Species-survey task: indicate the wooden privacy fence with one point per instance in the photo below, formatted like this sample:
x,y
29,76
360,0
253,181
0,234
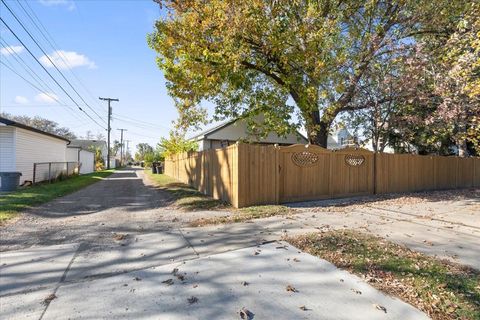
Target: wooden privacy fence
x,y
246,174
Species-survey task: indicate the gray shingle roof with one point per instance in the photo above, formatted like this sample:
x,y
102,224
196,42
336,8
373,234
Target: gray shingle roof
x,y
86,144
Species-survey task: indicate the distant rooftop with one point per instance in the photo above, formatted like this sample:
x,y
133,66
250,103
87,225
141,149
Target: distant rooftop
x,y
86,144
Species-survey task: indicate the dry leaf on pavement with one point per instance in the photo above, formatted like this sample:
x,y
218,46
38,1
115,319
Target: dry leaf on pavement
x,y
291,288
192,300
246,314
381,308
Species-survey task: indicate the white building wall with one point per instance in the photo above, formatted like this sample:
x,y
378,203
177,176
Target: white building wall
x,y
34,147
238,130
87,162
7,148
72,154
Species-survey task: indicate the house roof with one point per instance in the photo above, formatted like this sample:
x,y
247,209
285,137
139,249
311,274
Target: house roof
x,y
206,133
86,144
12,123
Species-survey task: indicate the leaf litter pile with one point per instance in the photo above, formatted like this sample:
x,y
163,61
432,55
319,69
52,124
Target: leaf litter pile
x,y
441,289
396,200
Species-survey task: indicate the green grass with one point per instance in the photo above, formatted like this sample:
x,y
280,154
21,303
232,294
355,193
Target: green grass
x,y
185,196
244,214
189,198
441,289
14,202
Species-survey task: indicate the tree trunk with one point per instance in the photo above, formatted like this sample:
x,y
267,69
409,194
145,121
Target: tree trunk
x,y
462,148
318,131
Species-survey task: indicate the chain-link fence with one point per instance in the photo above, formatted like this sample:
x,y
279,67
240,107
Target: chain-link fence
x,y
53,171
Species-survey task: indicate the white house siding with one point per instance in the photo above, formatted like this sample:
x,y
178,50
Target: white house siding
x,y
87,161
34,147
7,148
72,154
238,131
85,158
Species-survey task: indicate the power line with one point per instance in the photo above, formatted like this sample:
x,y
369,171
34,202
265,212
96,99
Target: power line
x,y
121,145
49,59
140,122
142,135
27,68
34,86
109,129
43,67
48,37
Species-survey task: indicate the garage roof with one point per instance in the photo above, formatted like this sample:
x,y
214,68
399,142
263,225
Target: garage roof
x,y
12,123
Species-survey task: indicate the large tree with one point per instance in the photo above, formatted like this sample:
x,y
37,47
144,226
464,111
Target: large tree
x,y
142,150
42,124
441,112
252,57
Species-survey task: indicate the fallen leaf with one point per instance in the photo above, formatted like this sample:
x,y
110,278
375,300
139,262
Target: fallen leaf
x,y
296,260
119,236
291,288
137,279
180,277
303,308
168,282
192,300
246,314
356,291
245,283
49,298
381,308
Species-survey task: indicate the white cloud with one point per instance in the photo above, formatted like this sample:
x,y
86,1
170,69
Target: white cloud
x,y
46,97
67,60
6,51
67,3
21,100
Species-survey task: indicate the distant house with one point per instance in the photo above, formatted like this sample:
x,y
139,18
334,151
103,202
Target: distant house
x,y
92,145
85,159
236,130
341,138
21,146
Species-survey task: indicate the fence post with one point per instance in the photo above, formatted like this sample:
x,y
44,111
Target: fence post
x,y
375,172
49,172
34,172
331,161
277,174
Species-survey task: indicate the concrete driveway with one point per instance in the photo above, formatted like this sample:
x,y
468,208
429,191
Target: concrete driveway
x,y
445,224
273,280
112,250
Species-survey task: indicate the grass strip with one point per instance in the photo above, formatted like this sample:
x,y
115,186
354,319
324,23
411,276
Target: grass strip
x,y
441,289
12,203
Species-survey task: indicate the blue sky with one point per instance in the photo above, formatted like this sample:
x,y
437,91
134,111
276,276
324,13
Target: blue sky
x,y
104,43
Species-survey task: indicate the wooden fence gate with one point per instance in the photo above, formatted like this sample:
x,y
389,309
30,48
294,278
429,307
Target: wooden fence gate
x,y
248,174
318,173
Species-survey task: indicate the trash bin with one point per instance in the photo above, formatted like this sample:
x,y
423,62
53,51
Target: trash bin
x,y
159,168
154,167
10,181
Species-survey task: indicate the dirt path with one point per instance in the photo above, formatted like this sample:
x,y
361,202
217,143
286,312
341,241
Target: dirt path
x,y
121,203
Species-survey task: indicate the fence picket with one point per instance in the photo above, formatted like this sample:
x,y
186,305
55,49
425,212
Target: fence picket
x,y
245,174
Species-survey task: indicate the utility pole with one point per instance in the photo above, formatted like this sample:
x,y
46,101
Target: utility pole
x,y
109,129
121,145
126,152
